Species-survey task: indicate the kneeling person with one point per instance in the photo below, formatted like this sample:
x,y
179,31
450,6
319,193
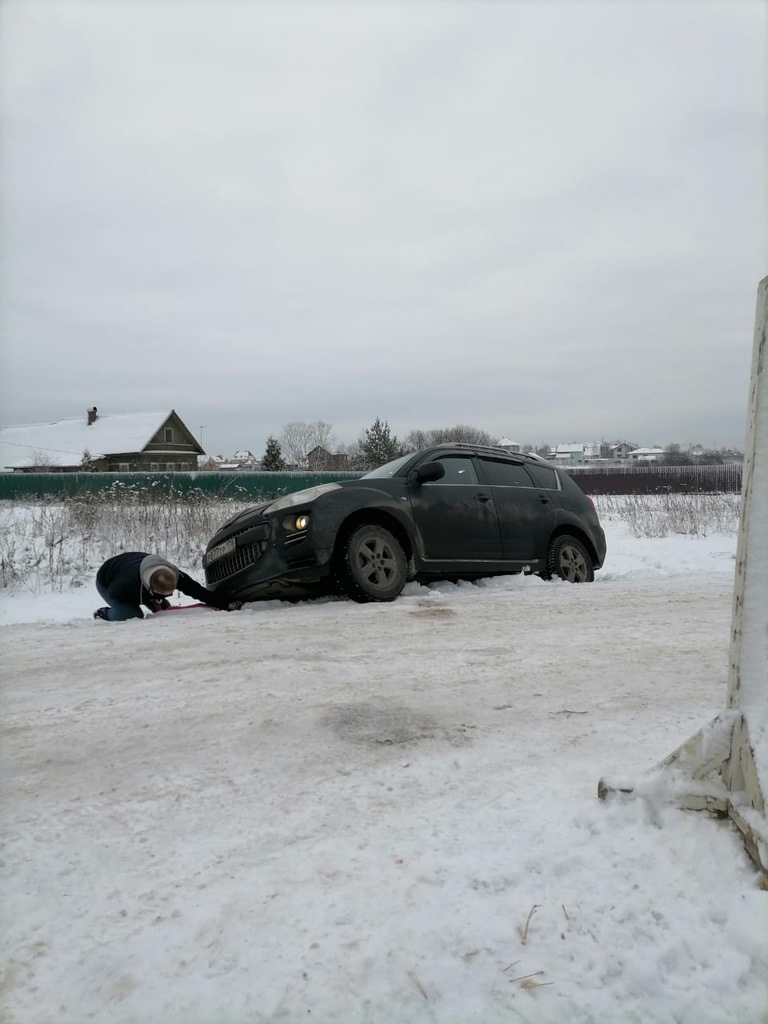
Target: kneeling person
x,y
135,578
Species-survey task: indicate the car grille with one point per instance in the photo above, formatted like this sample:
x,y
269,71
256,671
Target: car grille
x,y
240,558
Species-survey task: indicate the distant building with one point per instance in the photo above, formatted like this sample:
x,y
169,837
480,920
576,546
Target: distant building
x,y
320,459
575,452
245,460
647,454
621,451
125,442
508,445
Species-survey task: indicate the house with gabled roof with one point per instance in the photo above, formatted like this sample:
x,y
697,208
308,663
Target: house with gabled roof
x,y
509,445
124,442
320,459
575,452
245,459
622,450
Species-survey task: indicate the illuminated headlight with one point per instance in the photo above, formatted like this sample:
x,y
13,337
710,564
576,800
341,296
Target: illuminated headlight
x,y
293,523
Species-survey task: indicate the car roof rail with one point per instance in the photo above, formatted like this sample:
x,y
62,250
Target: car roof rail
x,y
495,448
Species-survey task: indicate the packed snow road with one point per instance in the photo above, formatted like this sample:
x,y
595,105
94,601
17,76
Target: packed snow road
x,y
330,811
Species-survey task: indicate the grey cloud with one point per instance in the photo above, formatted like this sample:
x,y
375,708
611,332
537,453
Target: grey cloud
x,y
538,218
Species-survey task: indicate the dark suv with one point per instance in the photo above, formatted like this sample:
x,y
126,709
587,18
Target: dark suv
x,y
455,511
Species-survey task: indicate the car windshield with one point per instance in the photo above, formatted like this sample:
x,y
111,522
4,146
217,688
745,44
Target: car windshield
x,y
389,468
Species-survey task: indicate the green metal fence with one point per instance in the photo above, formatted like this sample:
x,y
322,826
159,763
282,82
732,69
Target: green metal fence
x,y
255,486
231,485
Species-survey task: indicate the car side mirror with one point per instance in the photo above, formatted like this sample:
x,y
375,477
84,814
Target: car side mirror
x,y
427,473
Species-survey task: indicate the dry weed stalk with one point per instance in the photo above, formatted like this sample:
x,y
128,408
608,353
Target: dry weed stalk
x,y
528,982
418,984
523,932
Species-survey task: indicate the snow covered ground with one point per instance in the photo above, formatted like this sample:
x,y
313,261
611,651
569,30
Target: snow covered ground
x,y
384,814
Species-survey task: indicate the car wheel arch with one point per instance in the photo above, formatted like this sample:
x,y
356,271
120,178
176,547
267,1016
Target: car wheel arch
x,y
374,517
571,530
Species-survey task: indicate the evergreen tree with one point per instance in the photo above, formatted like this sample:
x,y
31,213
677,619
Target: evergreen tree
x,y
273,460
378,445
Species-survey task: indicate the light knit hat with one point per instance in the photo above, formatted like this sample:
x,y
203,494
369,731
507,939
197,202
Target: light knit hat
x,y
151,564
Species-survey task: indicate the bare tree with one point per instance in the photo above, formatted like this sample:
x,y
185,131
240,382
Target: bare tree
x,y
298,439
418,439
354,453
460,433
323,435
41,463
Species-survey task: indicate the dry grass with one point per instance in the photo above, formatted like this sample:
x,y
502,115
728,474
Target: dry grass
x,y
659,515
60,543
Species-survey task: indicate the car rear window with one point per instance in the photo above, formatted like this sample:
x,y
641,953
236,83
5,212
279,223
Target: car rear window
x,y
543,476
505,474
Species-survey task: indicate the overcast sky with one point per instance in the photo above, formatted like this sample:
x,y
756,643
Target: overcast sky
x,y
547,220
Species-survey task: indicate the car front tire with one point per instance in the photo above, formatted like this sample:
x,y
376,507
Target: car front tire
x,y
371,565
569,559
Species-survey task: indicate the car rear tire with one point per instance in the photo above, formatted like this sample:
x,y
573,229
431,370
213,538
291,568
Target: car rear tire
x,y
569,559
371,565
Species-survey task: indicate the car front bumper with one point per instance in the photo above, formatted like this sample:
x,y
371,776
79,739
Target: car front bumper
x,y
258,559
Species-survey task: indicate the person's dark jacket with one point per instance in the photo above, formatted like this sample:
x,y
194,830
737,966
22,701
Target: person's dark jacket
x,y
120,576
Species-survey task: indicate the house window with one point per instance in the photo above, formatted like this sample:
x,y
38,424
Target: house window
x,y
169,434
154,467
170,466
124,467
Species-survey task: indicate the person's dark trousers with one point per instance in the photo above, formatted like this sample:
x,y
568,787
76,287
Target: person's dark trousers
x,y
118,612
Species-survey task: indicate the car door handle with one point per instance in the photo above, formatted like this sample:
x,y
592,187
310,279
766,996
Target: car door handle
x,y
544,499
483,497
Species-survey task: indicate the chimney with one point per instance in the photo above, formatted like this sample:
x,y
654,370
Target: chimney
x,y
92,417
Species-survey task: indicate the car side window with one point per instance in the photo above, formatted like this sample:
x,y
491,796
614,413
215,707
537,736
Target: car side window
x,y
505,474
458,470
543,476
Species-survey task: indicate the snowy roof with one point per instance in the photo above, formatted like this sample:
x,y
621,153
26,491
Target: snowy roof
x,y
570,448
647,451
63,442
506,442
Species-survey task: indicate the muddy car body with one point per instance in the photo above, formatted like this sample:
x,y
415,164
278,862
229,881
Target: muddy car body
x,y
448,512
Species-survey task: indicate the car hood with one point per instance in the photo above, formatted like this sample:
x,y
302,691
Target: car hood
x,y
245,514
